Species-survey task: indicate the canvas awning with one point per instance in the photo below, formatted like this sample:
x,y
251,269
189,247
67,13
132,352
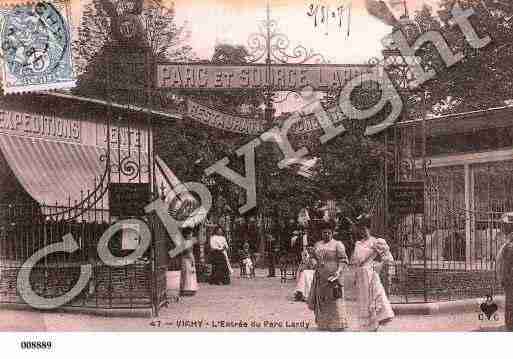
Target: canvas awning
x,y
60,175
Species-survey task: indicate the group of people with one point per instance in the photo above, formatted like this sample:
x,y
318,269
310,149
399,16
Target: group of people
x,y
321,278
321,274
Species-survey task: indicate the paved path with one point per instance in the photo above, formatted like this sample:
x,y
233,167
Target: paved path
x,y
265,301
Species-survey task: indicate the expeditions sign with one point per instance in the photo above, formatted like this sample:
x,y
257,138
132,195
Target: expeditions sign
x,y
280,78
39,126
85,131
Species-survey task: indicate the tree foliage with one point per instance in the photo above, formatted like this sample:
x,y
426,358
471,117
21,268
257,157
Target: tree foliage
x,y
484,78
230,54
96,49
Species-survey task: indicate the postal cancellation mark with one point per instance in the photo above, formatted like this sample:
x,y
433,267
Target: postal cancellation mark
x,y
36,49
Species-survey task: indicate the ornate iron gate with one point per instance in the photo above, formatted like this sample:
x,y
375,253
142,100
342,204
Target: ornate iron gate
x,y
126,159
448,251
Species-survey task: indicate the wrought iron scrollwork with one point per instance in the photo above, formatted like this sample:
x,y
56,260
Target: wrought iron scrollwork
x,y
127,166
269,41
104,157
375,61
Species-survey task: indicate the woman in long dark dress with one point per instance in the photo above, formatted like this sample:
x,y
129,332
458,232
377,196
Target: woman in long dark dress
x,y
221,268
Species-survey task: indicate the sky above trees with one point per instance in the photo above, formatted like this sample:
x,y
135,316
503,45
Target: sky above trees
x,y
232,21
229,21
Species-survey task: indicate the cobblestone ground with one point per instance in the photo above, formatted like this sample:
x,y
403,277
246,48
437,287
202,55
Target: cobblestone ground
x,y
262,300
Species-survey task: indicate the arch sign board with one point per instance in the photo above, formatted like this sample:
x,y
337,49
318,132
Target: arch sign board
x,y
324,77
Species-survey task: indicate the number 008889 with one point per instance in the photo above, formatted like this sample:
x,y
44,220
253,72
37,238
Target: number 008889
x,y
36,345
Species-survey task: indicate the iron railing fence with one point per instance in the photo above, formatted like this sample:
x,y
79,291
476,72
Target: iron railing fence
x,y
26,228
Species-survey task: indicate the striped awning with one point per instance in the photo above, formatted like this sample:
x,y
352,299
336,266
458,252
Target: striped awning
x,y
61,175
68,181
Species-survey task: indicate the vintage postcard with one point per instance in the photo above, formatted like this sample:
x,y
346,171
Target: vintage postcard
x,y
256,166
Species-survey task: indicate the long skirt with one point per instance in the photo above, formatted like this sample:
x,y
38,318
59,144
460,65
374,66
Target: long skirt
x,y
330,313
188,282
220,272
304,282
373,305
508,310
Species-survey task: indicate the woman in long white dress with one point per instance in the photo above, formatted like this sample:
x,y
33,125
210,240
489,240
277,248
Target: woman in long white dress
x,y
188,282
306,272
369,256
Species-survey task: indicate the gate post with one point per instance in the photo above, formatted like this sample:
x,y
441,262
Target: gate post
x,y
155,255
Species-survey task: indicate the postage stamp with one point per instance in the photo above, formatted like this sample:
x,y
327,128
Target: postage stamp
x,y
36,47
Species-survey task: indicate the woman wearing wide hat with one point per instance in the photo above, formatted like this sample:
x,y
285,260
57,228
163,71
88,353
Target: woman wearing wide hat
x,y
326,296
370,254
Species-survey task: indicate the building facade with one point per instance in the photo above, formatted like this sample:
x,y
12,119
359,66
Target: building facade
x,y
449,251
74,165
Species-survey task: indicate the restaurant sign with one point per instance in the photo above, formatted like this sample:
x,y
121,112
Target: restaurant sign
x,y
278,77
214,118
223,121
406,197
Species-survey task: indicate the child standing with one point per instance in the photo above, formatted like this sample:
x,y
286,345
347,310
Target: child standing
x,y
246,262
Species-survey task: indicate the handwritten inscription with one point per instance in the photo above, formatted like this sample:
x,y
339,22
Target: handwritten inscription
x,y
34,125
325,15
281,77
